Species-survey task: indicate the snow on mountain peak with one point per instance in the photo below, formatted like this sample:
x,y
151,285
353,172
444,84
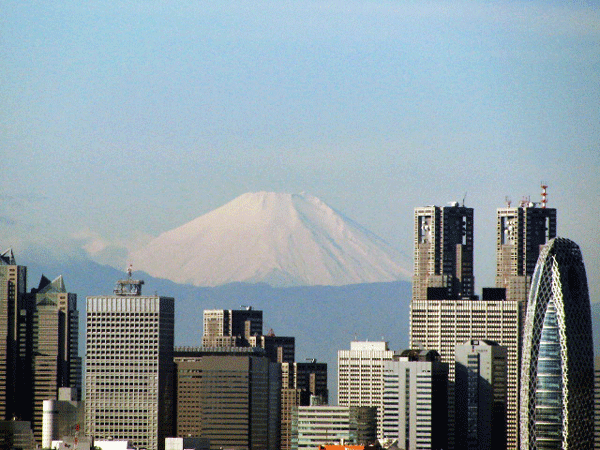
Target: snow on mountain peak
x,y
278,238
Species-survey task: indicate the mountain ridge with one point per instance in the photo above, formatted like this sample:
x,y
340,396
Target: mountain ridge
x,y
278,238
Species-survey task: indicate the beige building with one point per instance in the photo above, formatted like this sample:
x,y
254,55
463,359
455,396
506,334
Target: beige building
x,y
129,366
360,376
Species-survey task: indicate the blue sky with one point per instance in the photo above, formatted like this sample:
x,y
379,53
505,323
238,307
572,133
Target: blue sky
x,y
121,120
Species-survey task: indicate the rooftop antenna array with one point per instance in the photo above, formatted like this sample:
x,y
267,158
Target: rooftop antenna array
x,y
508,201
544,195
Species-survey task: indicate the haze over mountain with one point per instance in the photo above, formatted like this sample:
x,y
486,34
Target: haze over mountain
x,y
275,238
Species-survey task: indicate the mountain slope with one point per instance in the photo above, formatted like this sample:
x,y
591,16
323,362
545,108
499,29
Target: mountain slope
x,y
279,239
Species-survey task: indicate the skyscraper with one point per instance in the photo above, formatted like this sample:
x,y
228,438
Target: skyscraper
x,y
55,361
129,366
557,390
13,281
443,256
481,395
445,311
521,233
597,403
360,376
229,395
415,398
231,327
299,383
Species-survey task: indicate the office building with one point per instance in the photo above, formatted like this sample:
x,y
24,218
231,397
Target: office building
x,y
62,417
228,395
129,366
443,256
16,435
279,349
521,233
313,426
55,361
360,376
557,390
597,403
13,281
415,397
231,328
299,383
480,392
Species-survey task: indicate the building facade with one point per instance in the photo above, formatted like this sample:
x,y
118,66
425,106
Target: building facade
x,y
481,394
299,383
415,397
55,361
443,254
360,376
13,286
129,366
231,327
557,392
313,426
228,395
597,403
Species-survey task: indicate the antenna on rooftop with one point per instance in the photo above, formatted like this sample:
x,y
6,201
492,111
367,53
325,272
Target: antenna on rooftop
x,y
544,195
508,201
464,197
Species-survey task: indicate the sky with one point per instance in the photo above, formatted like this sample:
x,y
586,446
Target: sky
x,y
122,120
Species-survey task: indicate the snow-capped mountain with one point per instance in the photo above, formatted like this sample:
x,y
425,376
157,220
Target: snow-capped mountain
x,y
280,239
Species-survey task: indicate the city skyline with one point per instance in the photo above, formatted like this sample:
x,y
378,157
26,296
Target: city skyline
x,y
126,120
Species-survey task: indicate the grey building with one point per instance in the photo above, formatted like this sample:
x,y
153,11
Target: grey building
x,y
13,285
129,366
597,403
557,388
415,397
55,361
443,253
481,395
231,327
229,396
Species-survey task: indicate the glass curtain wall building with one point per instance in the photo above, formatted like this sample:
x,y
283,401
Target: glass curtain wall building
x,y
557,366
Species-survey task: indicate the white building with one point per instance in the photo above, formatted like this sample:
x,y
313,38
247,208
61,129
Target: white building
x,y
360,376
129,367
415,400
313,426
61,417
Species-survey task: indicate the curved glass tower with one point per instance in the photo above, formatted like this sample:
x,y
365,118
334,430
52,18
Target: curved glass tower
x,y
557,372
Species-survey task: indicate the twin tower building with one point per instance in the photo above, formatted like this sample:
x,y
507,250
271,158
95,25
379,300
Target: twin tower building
x,y
539,310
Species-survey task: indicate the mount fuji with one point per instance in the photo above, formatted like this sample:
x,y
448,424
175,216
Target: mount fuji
x,y
274,238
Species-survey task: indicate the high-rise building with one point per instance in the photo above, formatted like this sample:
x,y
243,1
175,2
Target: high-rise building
x,y
557,388
55,360
228,395
521,233
360,376
441,325
280,349
316,425
299,383
231,328
415,397
443,257
129,366
13,285
480,392
597,403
